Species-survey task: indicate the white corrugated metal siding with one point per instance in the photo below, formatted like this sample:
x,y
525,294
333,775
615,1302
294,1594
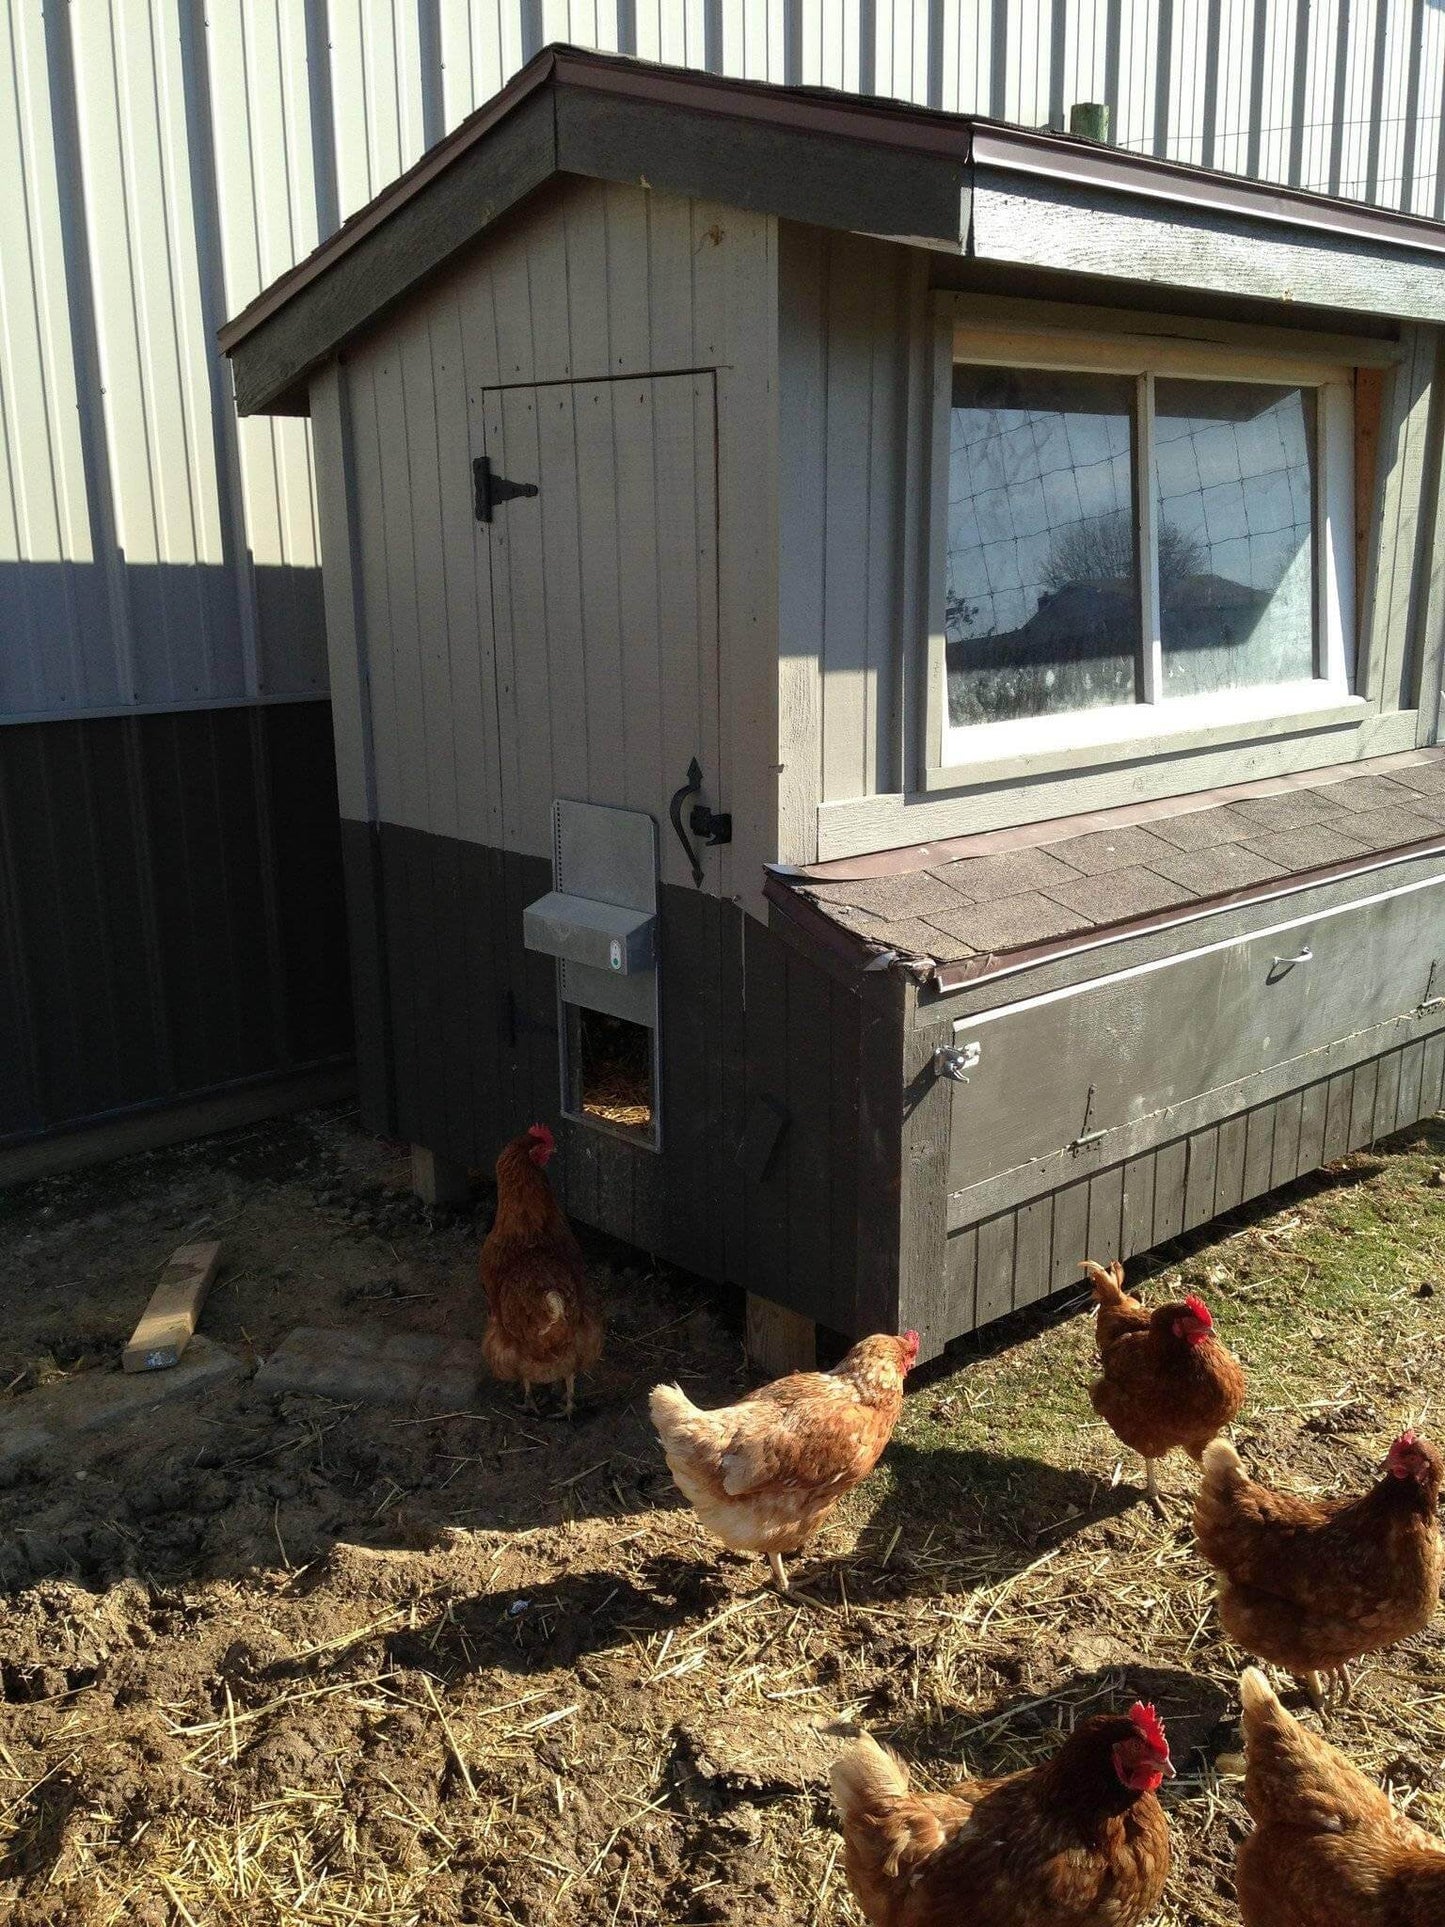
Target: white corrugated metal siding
x,y
163,160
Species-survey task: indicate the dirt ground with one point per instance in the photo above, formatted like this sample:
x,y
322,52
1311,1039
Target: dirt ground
x,y
275,1659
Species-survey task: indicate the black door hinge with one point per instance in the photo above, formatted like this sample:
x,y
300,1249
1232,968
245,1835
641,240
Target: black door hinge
x,y
489,489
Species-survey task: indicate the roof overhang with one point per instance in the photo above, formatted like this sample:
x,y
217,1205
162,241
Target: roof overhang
x,y
834,160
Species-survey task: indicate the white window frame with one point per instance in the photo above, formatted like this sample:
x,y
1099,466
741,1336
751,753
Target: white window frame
x,y
966,754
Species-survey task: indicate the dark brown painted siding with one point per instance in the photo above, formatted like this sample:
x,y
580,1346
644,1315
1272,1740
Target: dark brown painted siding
x,y
171,909
458,1051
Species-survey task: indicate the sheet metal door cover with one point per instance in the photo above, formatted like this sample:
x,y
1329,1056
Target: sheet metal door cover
x,y
609,856
1095,1056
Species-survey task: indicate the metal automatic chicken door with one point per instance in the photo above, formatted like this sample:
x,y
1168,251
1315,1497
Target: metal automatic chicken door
x,y
599,920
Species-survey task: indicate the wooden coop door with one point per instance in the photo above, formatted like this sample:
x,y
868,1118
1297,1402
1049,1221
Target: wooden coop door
x,y
604,601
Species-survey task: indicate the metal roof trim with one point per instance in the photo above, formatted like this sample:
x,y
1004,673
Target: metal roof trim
x,y
957,138
1114,169
376,212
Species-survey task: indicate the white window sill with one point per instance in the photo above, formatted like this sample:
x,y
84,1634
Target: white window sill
x,y
1089,739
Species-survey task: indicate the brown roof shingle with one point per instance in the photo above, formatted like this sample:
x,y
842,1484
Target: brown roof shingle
x,y
1087,876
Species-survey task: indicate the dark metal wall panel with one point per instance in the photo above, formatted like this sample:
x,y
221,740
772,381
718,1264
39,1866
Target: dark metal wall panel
x,y
173,912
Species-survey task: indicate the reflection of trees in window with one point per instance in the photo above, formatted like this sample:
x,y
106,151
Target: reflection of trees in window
x,y
1101,549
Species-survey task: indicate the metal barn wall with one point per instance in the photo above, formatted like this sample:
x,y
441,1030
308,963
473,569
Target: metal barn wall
x,y
165,159
171,911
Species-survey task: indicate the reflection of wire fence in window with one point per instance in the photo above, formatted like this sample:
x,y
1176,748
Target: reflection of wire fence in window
x,y
1013,544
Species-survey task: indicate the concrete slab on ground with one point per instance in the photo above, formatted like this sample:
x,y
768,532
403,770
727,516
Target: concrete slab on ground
x,y
425,1370
98,1401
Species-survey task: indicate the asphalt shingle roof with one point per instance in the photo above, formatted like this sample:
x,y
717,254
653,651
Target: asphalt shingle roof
x,y
1053,881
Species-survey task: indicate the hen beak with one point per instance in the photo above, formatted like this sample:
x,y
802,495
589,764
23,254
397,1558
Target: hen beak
x,y
1166,1767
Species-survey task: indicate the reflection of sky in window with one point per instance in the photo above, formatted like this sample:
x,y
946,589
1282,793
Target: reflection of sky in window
x,y
1019,479
1016,479
1242,489
1238,493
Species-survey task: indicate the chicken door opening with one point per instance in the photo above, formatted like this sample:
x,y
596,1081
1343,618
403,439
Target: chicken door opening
x,y
612,1072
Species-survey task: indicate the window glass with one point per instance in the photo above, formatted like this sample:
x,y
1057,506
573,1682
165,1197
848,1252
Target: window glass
x,y
1043,604
1234,506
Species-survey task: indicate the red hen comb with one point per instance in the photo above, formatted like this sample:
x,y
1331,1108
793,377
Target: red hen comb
x,y
1197,1308
1150,1728
543,1135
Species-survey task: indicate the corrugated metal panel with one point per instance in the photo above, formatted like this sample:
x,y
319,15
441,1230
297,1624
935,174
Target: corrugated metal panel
x,y
171,158
171,915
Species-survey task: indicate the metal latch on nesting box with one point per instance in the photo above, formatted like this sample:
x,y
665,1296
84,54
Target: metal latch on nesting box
x,y
582,930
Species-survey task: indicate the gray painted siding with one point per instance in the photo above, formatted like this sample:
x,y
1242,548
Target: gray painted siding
x,y
850,309
593,289
171,160
852,742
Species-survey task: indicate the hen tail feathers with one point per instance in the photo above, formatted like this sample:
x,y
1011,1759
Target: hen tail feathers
x,y
671,1408
1108,1282
1258,1698
1223,1467
868,1786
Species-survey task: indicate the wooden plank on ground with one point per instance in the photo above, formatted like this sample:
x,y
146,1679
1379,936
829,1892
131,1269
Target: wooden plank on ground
x,y
169,1320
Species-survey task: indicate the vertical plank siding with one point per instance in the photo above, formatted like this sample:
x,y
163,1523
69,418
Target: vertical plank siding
x,y
616,346
459,1050
171,908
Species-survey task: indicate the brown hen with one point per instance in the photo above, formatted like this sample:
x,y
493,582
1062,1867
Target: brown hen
x,y
1080,1841
763,1475
1310,1585
1328,1849
1167,1381
543,1324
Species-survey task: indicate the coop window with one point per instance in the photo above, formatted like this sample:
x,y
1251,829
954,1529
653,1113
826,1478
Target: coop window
x,y
612,1072
1139,539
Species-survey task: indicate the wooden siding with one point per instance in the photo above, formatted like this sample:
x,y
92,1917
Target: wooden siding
x,y
602,291
1073,228
869,800
849,310
171,915
1010,1260
458,1051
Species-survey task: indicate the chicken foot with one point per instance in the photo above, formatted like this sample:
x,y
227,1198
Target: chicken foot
x,y
1329,1689
780,1578
529,1404
571,1392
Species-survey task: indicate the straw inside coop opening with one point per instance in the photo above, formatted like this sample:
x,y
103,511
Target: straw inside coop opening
x,y
614,1070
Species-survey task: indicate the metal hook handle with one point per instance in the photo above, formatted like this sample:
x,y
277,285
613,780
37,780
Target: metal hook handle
x,y
674,810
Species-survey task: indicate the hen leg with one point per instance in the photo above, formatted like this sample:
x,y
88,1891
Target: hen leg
x,y
780,1578
571,1390
1151,1487
1314,1685
529,1404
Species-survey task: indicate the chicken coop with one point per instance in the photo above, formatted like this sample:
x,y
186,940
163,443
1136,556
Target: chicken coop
x,y
886,672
